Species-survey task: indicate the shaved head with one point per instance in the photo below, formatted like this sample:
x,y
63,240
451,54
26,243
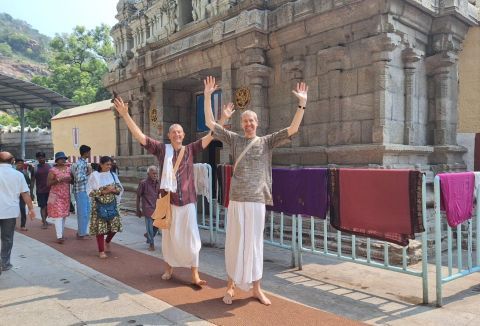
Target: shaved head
x,y
174,126
6,157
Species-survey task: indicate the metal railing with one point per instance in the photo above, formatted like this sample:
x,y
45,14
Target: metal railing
x,y
353,257
461,268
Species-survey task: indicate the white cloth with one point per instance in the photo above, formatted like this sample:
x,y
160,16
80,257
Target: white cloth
x,y
97,180
168,181
201,179
59,226
181,243
12,184
244,243
477,182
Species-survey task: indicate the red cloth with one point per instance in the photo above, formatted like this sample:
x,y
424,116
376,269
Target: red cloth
x,y
101,240
381,204
456,197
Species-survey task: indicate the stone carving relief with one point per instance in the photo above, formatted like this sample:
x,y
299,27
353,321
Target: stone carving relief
x,y
169,8
199,11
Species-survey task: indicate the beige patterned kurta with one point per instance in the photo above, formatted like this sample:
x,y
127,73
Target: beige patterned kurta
x,y
97,224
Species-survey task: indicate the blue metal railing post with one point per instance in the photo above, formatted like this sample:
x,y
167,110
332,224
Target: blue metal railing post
x,y
424,241
438,241
300,241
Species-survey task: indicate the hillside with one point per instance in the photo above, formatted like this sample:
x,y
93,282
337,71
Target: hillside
x,y
23,50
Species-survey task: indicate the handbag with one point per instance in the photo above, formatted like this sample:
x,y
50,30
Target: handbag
x,y
107,211
162,216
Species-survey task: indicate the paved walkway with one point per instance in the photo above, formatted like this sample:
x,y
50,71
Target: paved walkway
x,y
37,288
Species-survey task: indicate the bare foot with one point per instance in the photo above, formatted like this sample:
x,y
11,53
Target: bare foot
x,y
168,274
107,247
261,297
198,281
102,255
228,297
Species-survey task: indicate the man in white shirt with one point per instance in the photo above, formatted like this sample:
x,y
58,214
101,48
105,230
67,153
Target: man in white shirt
x,y
12,186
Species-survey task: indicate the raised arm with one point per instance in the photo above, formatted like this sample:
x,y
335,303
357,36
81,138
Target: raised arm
x,y
122,109
210,87
226,114
301,94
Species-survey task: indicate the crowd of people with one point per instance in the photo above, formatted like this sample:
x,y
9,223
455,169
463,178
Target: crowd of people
x,y
97,191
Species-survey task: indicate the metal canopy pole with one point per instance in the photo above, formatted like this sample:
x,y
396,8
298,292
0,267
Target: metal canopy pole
x,y
22,132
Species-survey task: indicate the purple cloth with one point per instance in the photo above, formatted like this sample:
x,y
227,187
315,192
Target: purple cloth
x,y
300,191
41,174
148,191
457,196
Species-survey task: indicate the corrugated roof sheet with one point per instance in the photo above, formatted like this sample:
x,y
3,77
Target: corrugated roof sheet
x,y
19,93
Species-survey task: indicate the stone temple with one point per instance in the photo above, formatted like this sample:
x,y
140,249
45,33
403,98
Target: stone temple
x,y
383,75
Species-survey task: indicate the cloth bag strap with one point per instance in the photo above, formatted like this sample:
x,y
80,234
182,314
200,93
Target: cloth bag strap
x,y
179,159
244,152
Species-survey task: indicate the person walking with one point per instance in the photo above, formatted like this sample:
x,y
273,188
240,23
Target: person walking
x,y
58,205
250,191
39,179
12,186
20,166
80,173
147,193
105,190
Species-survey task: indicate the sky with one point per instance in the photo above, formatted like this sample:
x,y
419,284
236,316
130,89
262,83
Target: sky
x,y
52,17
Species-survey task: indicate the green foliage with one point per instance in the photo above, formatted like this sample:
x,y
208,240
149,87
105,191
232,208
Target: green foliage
x,y
5,50
78,63
23,40
8,120
38,118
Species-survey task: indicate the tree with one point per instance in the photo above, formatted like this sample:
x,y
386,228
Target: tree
x,y
8,120
78,63
5,50
38,118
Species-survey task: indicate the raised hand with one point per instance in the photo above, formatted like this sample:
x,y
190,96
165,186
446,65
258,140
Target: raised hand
x,y
301,93
120,106
228,111
210,86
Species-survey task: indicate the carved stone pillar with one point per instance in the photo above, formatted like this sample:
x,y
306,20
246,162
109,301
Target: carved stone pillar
x,y
256,76
410,57
157,105
442,68
147,103
333,59
382,48
293,73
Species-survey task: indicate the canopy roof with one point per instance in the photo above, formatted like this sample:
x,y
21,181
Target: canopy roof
x,y
16,92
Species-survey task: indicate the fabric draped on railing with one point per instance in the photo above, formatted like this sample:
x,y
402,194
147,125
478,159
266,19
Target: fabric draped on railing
x,y
381,204
300,191
457,196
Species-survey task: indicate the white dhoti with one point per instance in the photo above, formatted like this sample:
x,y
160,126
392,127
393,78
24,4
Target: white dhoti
x,y
181,243
244,243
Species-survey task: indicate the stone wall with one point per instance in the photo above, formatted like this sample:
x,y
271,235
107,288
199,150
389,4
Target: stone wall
x,y
35,141
383,74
